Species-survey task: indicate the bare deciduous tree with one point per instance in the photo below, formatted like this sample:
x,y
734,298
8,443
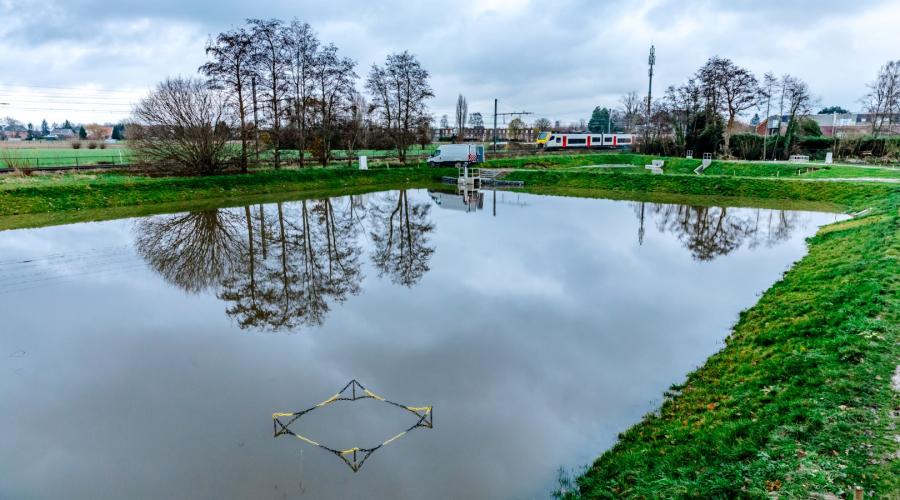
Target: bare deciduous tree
x,y
302,46
631,106
182,125
333,80
399,91
96,132
462,112
271,58
738,88
356,125
231,69
514,129
542,125
799,101
883,99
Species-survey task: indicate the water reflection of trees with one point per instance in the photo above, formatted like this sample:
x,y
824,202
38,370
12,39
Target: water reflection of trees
x,y
400,235
283,266
709,232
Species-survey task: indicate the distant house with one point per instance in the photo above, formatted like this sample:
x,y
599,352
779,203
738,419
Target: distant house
x,y
64,134
15,132
832,125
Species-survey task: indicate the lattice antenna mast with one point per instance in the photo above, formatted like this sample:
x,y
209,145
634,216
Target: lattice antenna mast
x,y
652,62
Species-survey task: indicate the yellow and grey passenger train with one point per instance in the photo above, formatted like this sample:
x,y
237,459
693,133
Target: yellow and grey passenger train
x,y
565,140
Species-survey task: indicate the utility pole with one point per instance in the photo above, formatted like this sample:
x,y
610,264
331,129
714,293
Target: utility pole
x,y
652,62
496,114
256,121
495,125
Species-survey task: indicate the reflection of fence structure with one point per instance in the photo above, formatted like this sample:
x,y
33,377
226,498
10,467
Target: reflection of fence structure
x,y
353,391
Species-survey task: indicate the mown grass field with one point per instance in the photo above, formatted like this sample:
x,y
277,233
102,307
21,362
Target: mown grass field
x,y
53,157
57,155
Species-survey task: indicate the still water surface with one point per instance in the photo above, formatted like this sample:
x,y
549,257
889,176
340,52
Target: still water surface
x,y
143,358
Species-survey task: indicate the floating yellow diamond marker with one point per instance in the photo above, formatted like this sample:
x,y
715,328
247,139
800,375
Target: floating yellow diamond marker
x,y
353,391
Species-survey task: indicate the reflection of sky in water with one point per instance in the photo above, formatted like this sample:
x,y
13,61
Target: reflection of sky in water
x,y
538,335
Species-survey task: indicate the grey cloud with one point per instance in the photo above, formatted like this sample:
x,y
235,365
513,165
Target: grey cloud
x,y
558,59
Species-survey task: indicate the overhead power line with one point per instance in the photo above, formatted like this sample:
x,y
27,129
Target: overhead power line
x,y
77,89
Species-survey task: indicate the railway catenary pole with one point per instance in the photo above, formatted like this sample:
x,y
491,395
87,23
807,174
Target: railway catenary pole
x,y
496,114
495,126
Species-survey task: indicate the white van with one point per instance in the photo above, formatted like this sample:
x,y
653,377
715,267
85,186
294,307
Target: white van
x,y
458,155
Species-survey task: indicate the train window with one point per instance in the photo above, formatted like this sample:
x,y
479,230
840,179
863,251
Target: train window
x,y
607,139
624,141
551,138
596,139
558,139
577,141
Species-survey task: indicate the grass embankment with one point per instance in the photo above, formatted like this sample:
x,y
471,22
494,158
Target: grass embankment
x,y
799,402
35,201
634,163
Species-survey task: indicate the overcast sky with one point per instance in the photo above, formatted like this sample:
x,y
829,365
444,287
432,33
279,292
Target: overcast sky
x,y
86,60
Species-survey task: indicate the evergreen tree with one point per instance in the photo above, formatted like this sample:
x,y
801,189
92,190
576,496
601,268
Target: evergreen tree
x,y
755,120
118,132
45,129
833,109
600,121
82,133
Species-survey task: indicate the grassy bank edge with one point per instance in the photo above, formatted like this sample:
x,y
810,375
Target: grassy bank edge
x,y
799,402
114,196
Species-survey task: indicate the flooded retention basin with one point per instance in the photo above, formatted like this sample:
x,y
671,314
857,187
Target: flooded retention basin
x,y
144,358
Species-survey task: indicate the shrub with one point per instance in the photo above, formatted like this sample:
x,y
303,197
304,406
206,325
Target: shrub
x,y
183,126
76,145
92,145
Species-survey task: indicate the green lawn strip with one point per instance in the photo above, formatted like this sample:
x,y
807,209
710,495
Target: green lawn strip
x,y
123,191
854,195
685,166
799,401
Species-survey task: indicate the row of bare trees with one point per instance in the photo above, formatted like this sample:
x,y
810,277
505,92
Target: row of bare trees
x,y
703,113
883,99
274,86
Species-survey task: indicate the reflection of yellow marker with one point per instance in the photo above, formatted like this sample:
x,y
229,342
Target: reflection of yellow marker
x,y
351,450
393,438
329,400
276,415
310,441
